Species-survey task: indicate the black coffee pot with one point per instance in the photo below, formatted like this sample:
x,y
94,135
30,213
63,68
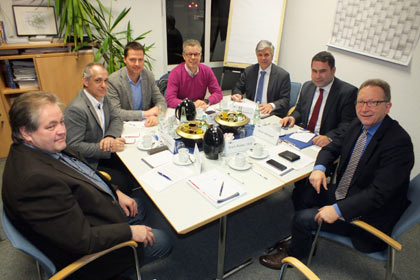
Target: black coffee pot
x,y
213,142
189,107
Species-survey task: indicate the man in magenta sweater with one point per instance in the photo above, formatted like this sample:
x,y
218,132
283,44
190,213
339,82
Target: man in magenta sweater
x,y
192,79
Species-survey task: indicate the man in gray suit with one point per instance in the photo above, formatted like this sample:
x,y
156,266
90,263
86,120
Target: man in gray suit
x,y
94,128
133,91
265,82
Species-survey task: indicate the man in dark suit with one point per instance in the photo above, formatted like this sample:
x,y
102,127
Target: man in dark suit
x,y
61,204
373,178
94,128
336,103
265,82
133,91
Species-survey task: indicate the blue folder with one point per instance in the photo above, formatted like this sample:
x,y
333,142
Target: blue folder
x,y
298,144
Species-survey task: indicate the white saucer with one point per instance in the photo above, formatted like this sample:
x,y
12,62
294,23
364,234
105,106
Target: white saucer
x,y
176,160
232,165
142,148
263,155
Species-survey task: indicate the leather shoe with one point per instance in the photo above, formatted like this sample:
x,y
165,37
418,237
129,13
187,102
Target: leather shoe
x,y
280,245
273,261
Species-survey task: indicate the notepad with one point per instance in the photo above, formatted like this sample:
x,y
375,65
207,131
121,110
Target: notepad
x,y
209,186
158,159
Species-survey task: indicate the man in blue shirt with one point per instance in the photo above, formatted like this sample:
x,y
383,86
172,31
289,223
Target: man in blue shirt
x,y
133,91
373,151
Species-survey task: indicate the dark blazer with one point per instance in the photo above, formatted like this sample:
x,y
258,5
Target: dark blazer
x,y
339,110
119,93
84,131
62,212
378,190
278,90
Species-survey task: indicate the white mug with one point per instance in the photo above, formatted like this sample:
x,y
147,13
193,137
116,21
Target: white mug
x,y
240,159
258,149
147,141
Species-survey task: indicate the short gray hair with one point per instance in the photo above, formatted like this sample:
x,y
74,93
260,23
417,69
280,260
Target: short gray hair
x,y
87,71
25,112
264,44
191,43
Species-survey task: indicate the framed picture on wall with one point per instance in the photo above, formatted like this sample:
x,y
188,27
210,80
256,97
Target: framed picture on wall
x,y
35,20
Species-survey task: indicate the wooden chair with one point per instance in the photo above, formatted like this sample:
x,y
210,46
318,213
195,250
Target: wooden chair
x,y
291,261
410,218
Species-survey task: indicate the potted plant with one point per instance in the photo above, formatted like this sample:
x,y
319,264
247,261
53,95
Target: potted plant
x,y
80,17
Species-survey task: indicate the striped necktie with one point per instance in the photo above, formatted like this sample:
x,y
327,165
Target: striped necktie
x,y
345,181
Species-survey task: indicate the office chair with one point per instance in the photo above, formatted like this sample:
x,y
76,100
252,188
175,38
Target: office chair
x,y
410,217
291,261
162,83
294,93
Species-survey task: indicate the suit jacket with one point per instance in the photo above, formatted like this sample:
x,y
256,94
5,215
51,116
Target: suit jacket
x,y
378,190
339,109
278,90
84,131
119,93
58,209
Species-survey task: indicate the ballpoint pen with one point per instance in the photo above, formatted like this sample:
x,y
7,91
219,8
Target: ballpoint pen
x,y
259,173
165,176
234,177
227,198
221,188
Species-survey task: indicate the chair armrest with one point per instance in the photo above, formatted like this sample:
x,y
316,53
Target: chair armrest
x,y
76,265
291,110
301,267
384,237
106,175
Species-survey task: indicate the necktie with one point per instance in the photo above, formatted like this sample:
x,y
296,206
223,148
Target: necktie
x,y
344,184
315,111
260,87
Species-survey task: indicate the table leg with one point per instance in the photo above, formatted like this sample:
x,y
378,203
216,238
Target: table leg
x,y
221,248
221,253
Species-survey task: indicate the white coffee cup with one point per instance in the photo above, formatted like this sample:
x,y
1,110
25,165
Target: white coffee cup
x,y
147,141
258,149
183,155
240,160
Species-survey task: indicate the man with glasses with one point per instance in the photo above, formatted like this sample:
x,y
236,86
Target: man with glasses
x,y
264,82
192,80
372,179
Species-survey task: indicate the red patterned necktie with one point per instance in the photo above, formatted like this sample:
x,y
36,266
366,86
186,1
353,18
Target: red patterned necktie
x,y
344,184
315,111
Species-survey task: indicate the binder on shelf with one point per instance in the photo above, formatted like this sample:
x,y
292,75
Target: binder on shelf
x,y
7,72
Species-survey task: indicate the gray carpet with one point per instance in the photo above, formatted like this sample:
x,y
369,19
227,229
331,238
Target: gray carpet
x,y
250,230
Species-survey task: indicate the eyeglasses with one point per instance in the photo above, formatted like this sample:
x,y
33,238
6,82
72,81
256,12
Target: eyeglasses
x,y
371,103
193,54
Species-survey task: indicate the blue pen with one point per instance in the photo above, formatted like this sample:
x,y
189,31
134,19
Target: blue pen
x,y
165,176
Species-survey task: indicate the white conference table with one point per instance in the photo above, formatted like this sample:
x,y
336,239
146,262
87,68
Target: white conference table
x,y
186,210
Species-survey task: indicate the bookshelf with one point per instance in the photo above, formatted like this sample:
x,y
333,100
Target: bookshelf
x,y
58,70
